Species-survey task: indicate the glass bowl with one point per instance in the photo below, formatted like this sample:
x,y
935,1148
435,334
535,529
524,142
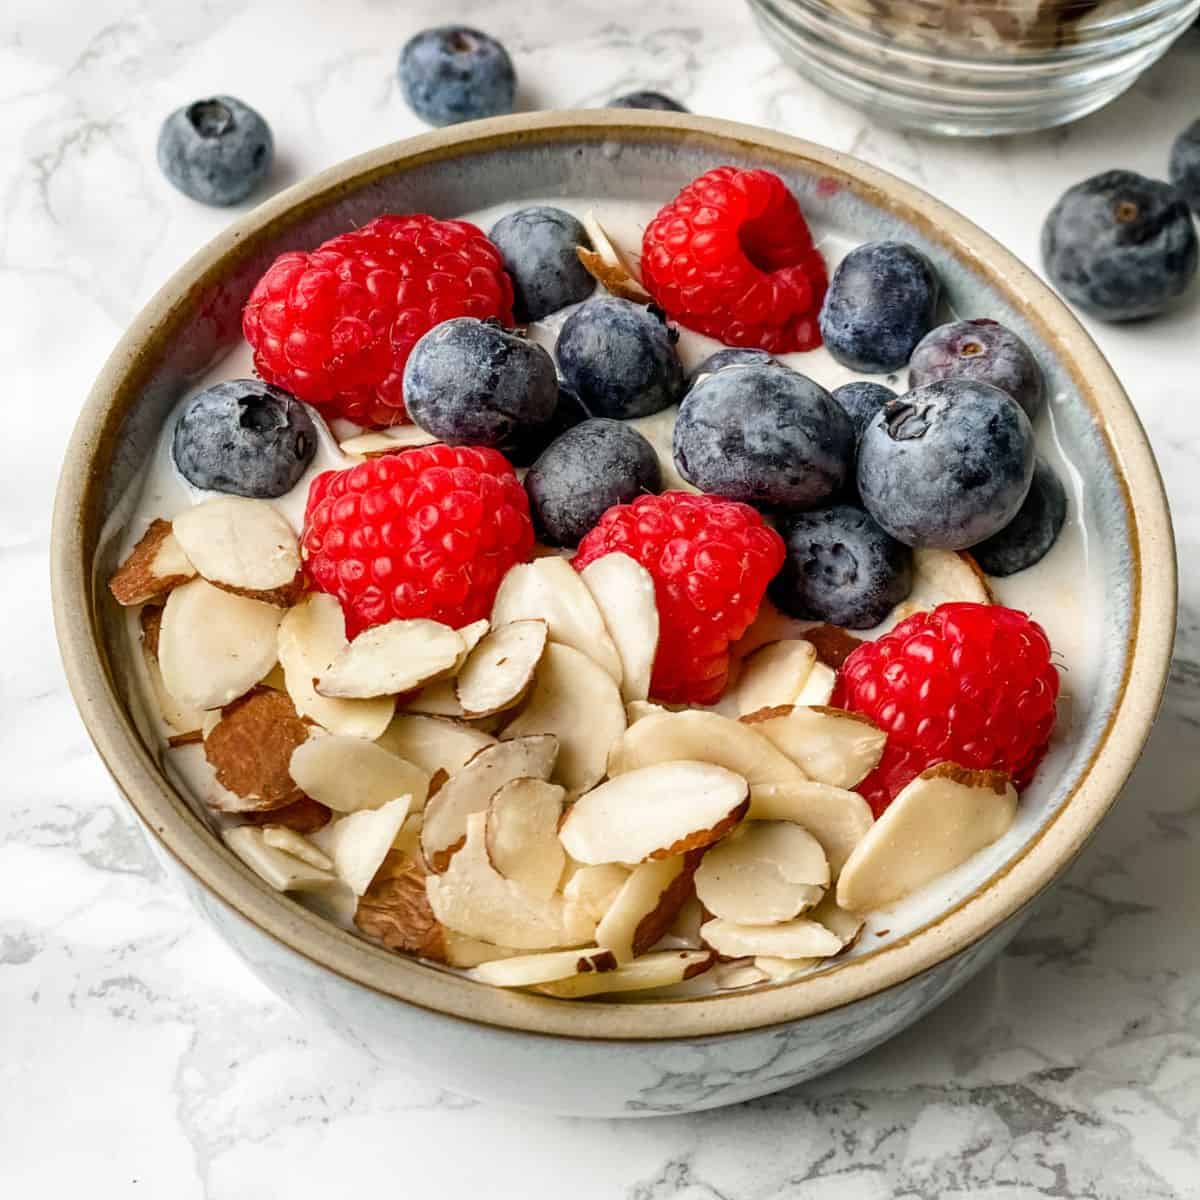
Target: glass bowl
x,y
972,68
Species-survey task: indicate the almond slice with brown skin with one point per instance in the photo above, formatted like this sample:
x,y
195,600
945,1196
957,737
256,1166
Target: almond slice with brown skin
x,y
659,969
605,263
800,938
303,815
394,910
388,659
774,675
358,842
434,743
472,788
947,814
349,774
830,745
283,871
762,874
594,888
522,834
250,749
499,671
153,567
646,905
297,845
214,646
839,819
528,969
654,812
624,593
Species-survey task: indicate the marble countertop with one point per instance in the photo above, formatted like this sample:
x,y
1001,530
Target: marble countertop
x,y
137,1055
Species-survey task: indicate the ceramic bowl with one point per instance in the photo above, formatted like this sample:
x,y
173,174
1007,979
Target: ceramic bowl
x,y
602,1058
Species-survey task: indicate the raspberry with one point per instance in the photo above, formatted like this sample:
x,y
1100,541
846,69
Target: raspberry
x,y
711,561
334,326
731,256
966,683
425,533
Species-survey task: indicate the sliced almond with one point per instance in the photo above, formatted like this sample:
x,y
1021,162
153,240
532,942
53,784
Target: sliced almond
x,y
594,888
839,819
434,743
781,970
529,969
394,910
473,898
349,774
472,788
549,589
705,737
608,266
283,871
359,841
733,976
939,577
467,952
396,440
818,687
947,814
183,718
660,969
577,701
830,745
654,812
840,921
438,699
800,938
302,815
684,932
522,834
624,593
646,905
499,671
297,845
774,675
244,545
833,644
388,659
250,748
635,710
762,874
214,646
152,568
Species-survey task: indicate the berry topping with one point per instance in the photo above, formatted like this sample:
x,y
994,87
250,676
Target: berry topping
x,y
711,561
530,442
862,401
971,684
764,435
946,465
1185,165
620,358
982,350
732,358
426,533
216,151
731,256
841,568
1121,246
538,247
335,326
881,302
472,383
1027,538
655,100
452,73
245,437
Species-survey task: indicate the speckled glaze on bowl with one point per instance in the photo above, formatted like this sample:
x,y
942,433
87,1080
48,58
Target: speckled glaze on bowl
x,y
603,1058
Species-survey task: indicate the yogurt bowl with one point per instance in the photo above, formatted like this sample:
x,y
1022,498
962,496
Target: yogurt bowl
x,y
1107,594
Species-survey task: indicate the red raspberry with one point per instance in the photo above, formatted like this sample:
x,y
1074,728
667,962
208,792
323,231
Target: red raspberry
x,y
334,326
966,683
731,256
425,533
711,561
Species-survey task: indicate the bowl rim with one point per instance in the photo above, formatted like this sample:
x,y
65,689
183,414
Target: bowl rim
x,y
182,834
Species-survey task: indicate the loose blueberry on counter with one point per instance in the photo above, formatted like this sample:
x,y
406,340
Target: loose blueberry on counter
x,y
473,383
538,247
216,151
620,358
582,474
841,568
882,300
1027,538
984,350
530,442
1185,165
862,401
654,100
733,357
244,437
947,465
452,73
1120,246
767,436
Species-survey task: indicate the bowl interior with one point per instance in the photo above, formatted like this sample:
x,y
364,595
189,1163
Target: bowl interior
x,y
1106,581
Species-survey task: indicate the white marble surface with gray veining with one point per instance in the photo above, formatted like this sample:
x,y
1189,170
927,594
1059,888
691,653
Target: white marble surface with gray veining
x,y
138,1057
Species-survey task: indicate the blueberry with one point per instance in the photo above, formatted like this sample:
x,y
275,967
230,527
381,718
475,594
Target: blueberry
x,y
538,248
583,473
620,358
1185,165
452,73
765,436
947,465
1027,538
862,401
734,357
881,302
244,437
568,413
471,382
1120,246
655,100
841,568
216,151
